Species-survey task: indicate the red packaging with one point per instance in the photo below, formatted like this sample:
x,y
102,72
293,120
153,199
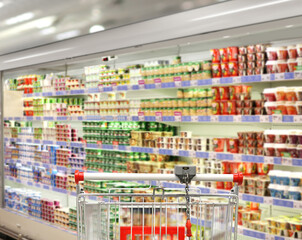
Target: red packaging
x,y
291,108
249,103
224,92
259,70
260,63
233,54
225,70
251,143
292,64
242,149
251,57
216,110
242,58
259,103
241,142
242,65
271,66
251,49
260,151
248,111
239,111
235,92
282,66
239,103
232,95
232,107
260,143
246,91
259,111
250,71
242,50
282,53
250,167
233,69
251,135
226,168
220,185
263,169
224,55
241,135
260,56
215,93
271,54
228,185
232,145
216,70
234,167
292,52
251,64
242,72
260,48
218,144
241,168
281,108
215,55
224,107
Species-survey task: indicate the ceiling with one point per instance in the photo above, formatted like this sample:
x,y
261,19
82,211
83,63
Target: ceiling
x,y
28,23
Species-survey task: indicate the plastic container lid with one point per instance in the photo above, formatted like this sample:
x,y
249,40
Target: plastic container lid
x,y
293,132
272,104
290,89
292,146
299,103
280,103
289,103
280,145
272,186
281,62
281,88
275,62
292,60
296,175
291,47
271,49
299,147
281,48
269,90
269,145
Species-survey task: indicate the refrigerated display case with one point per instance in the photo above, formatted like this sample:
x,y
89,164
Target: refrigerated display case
x,y
160,103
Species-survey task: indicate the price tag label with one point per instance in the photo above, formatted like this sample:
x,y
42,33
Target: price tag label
x,y
156,150
237,118
177,81
269,160
236,79
214,118
287,161
277,118
298,204
240,230
194,118
141,84
100,144
212,190
192,154
269,237
237,157
158,116
298,119
177,116
175,152
157,82
298,75
212,155
279,76
194,83
264,118
268,200
115,145
114,88
265,77
84,142
215,81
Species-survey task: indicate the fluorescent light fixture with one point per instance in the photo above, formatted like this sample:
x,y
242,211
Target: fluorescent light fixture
x,y
1,4
289,26
226,37
48,31
96,28
20,18
37,55
66,35
45,22
240,10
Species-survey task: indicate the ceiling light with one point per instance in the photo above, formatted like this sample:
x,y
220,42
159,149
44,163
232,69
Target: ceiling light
x,y
240,10
96,28
289,26
69,34
1,4
48,31
20,18
226,37
45,22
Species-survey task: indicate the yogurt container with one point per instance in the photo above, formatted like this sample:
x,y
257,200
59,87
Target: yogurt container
x,y
292,52
273,176
299,107
282,192
282,53
293,136
269,149
271,106
292,150
280,93
282,66
281,108
291,94
299,133
299,151
299,50
273,190
280,149
271,66
291,108
269,94
295,179
292,64
294,193
272,53
281,136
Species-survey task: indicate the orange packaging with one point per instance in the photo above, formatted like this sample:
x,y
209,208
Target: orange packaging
x,y
233,54
232,107
224,107
241,168
235,92
291,108
234,167
226,167
216,70
224,92
228,185
225,70
218,144
281,108
233,69
250,168
220,185
263,169
215,55
216,108
223,55
232,145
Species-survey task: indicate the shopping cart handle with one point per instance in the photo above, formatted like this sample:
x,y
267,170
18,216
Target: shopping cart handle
x,y
81,176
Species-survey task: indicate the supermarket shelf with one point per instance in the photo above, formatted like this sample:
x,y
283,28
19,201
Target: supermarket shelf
x,y
39,221
45,165
204,190
40,185
296,119
176,84
182,153
260,235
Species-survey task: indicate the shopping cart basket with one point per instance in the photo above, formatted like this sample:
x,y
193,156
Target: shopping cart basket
x,y
157,213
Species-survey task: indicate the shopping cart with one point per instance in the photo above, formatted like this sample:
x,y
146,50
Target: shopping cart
x,y
157,213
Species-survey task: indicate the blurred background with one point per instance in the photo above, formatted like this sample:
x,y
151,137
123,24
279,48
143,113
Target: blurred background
x,y
28,23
